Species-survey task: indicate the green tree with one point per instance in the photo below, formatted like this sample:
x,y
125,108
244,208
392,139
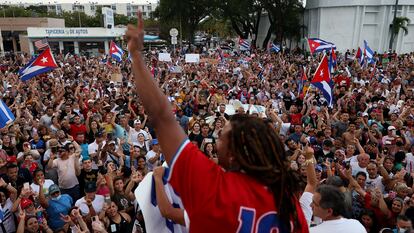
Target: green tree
x,y
285,17
244,15
188,13
399,23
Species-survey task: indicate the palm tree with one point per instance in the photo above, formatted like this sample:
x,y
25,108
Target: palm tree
x,y
399,23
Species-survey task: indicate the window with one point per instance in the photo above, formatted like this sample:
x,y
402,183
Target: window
x,y
149,8
144,14
93,8
113,7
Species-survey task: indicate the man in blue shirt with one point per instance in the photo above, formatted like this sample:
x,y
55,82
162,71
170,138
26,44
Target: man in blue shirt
x,y
57,205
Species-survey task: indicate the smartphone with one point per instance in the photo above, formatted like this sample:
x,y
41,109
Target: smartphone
x,y
95,218
26,185
108,200
39,217
208,140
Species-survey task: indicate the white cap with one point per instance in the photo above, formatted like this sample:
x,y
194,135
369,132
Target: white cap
x,y
391,127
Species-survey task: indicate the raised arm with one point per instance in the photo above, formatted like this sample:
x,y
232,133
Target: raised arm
x,y
169,132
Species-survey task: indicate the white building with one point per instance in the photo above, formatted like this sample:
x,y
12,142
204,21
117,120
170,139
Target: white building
x,y
86,41
127,9
348,23
123,8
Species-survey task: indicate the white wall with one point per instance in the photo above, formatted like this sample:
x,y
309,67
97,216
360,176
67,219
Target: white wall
x,y
348,23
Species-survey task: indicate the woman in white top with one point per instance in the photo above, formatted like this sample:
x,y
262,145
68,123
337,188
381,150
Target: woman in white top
x,y
39,176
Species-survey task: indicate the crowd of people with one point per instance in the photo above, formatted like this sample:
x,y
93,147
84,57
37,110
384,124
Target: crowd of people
x,y
82,141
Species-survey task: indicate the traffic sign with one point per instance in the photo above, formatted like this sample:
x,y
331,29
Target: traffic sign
x,y
173,40
174,32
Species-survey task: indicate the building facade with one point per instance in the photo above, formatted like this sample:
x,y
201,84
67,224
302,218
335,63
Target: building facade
x,y
14,31
85,41
127,9
349,23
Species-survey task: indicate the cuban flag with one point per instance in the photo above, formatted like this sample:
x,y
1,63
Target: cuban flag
x,y
146,197
43,63
244,44
272,47
322,80
220,56
360,56
302,79
318,45
332,60
368,53
6,116
116,52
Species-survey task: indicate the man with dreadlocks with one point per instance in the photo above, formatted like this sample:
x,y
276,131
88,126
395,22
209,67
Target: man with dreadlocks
x,y
255,192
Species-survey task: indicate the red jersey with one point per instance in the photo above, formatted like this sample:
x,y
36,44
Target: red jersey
x,y
220,201
75,130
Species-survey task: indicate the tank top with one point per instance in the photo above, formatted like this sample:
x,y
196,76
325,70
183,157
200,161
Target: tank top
x,y
122,226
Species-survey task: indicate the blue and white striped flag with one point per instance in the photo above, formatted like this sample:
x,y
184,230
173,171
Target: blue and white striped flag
x,y
273,47
244,44
6,116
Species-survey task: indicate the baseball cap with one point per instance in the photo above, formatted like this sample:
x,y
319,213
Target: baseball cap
x,y
111,142
318,168
90,187
364,114
53,189
391,127
154,141
137,122
25,202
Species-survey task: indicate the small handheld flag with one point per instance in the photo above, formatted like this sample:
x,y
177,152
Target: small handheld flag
x,y
38,65
6,116
116,52
360,56
368,53
244,44
332,60
272,47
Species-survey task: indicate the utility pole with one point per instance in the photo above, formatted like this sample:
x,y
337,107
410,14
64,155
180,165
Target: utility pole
x,y
392,27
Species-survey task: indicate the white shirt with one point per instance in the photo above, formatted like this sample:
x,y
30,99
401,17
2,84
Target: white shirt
x,y
150,155
46,185
356,168
97,204
133,135
305,202
66,172
8,218
375,183
93,147
341,225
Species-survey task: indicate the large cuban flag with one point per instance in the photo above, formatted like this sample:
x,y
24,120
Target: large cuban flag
x,y
38,65
318,45
322,80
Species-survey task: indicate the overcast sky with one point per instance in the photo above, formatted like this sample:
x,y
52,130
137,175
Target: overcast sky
x,y
80,1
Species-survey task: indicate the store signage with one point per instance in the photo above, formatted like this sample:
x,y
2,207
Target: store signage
x,y
67,31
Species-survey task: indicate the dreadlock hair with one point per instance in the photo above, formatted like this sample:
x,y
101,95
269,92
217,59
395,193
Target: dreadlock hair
x,y
260,153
